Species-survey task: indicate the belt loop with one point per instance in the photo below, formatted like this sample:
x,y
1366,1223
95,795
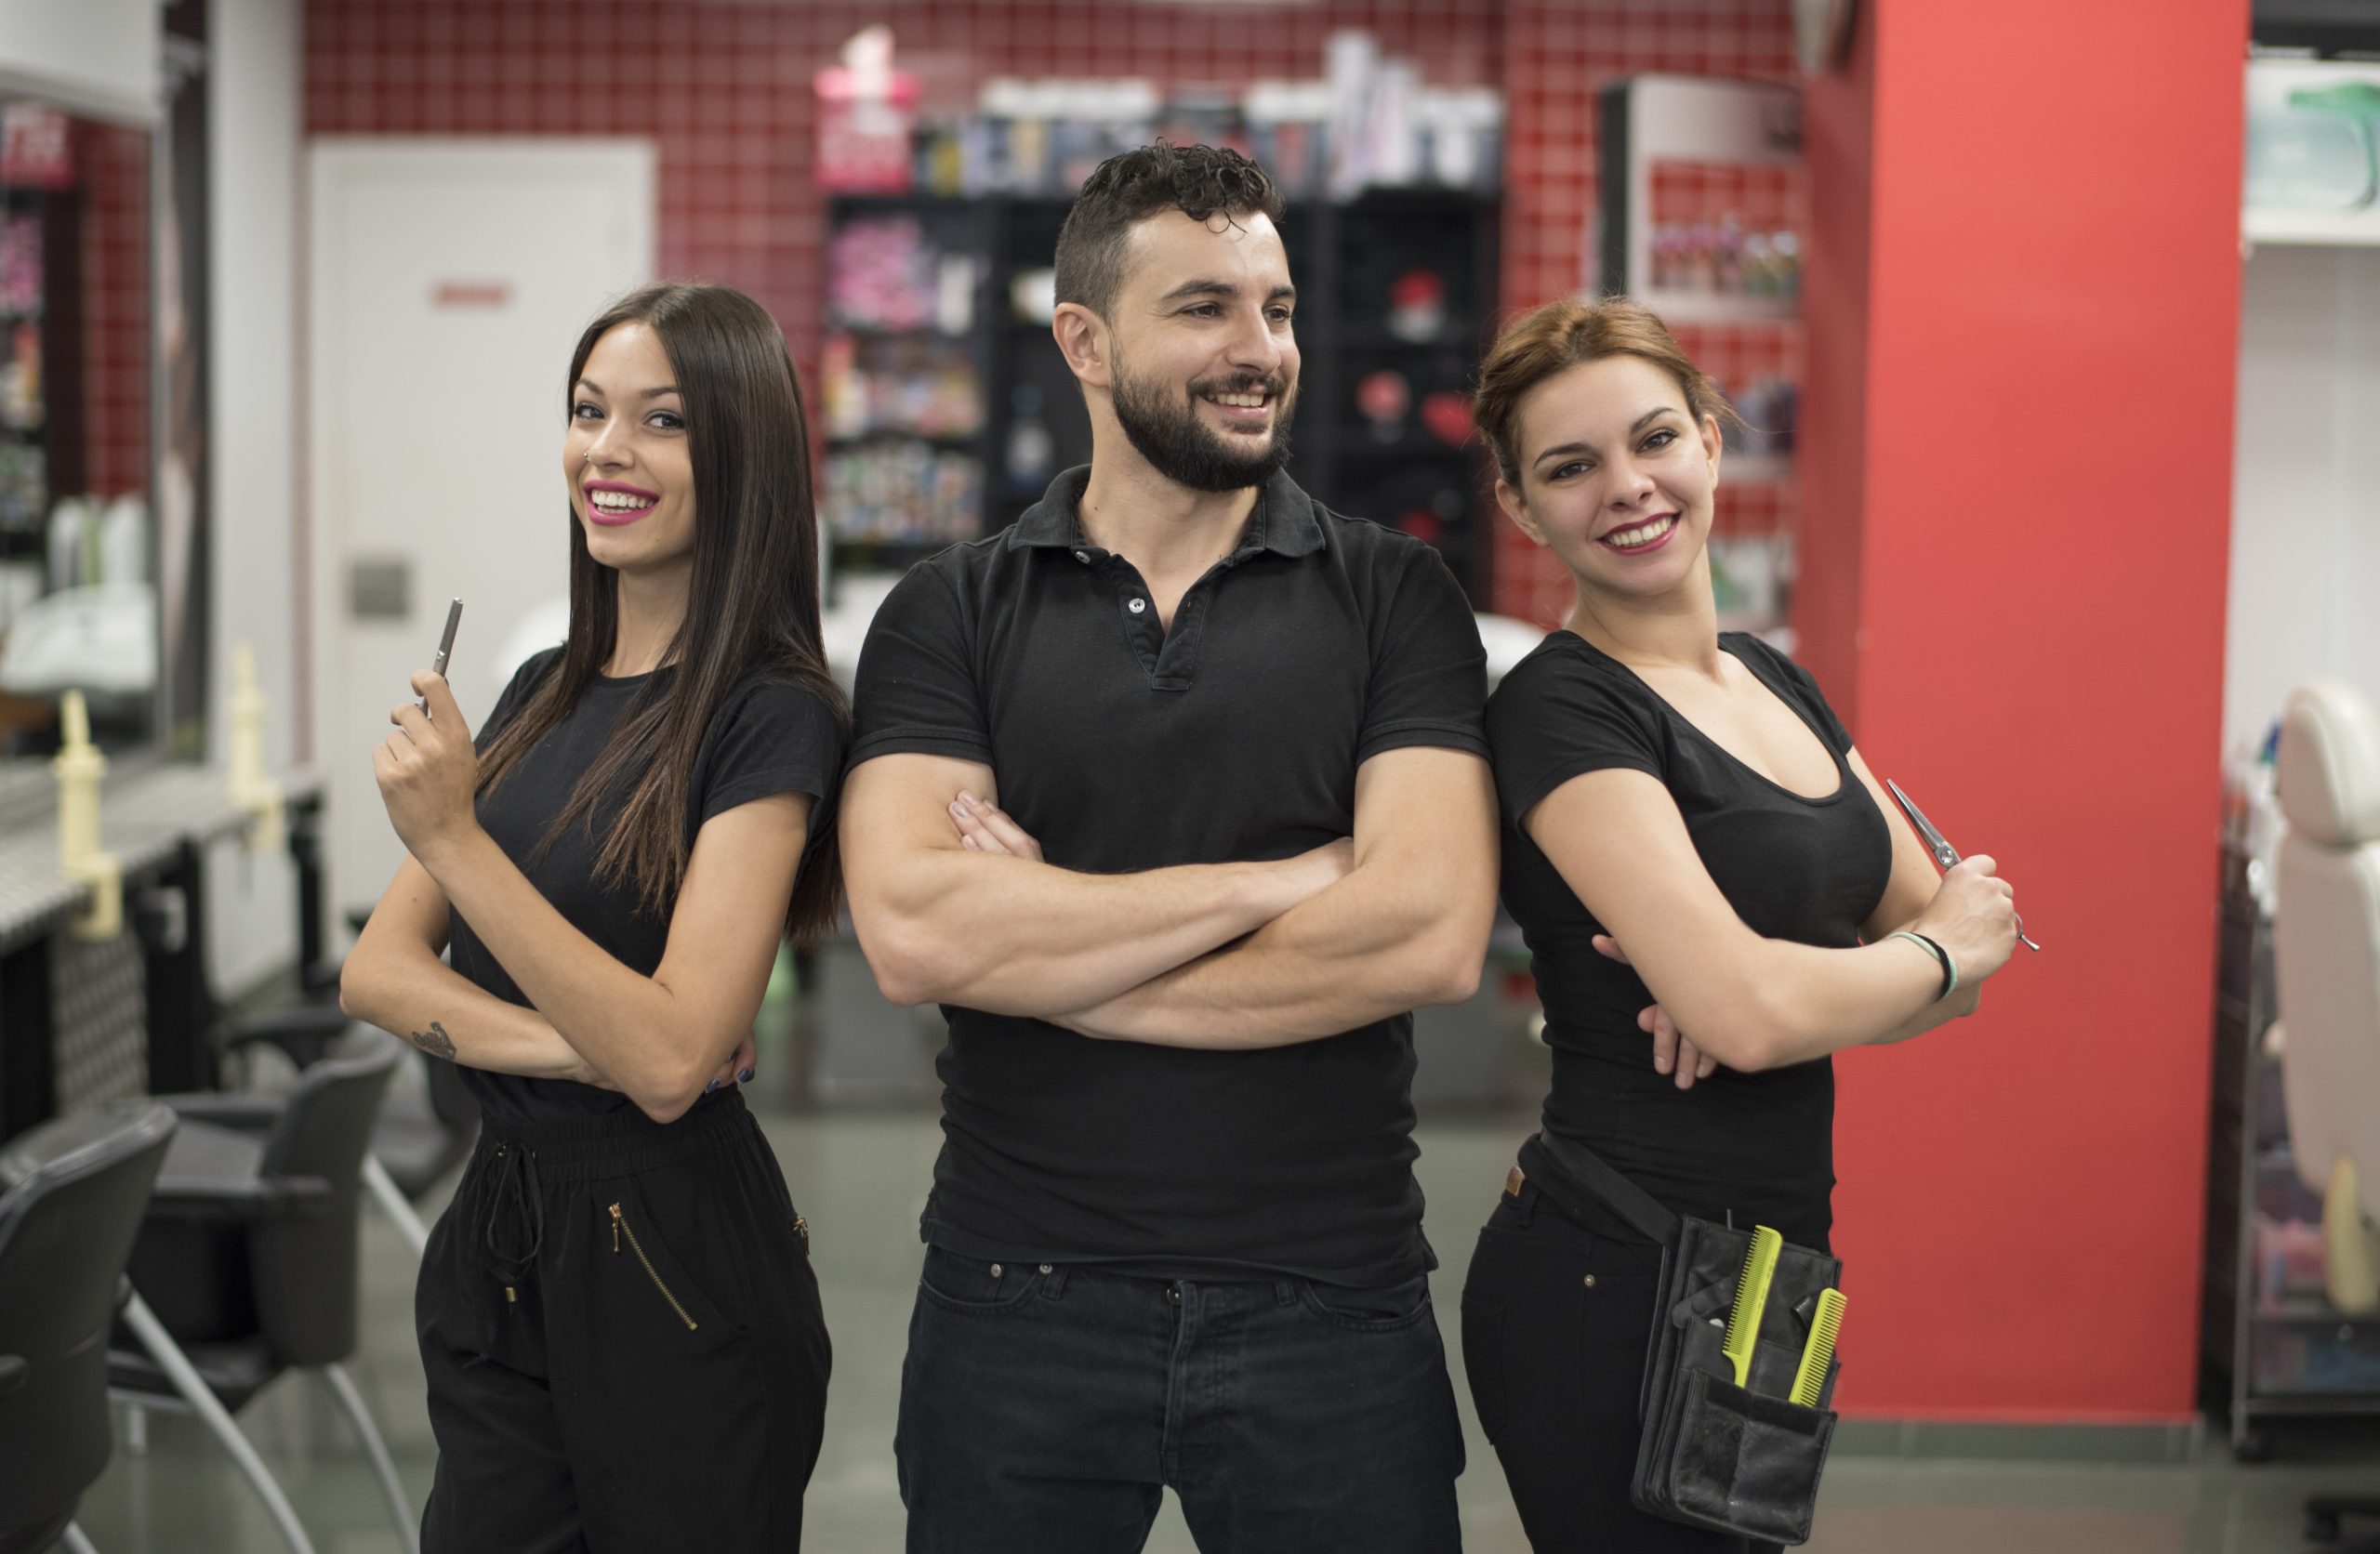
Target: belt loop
x,y
1053,1283
1285,1292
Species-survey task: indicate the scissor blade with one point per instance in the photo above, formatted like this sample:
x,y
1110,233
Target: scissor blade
x,y
1935,843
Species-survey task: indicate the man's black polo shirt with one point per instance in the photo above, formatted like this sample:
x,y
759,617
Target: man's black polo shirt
x,y
1319,643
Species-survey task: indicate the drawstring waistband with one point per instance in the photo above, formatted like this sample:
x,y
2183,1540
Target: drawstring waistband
x,y
517,1160
513,1227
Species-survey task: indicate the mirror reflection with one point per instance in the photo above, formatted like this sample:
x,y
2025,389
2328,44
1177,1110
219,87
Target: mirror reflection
x,y
79,531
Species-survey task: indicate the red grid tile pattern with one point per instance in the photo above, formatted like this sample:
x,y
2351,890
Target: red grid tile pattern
x,y
113,168
724,88
1558,55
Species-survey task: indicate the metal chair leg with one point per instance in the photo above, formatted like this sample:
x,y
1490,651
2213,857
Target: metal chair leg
x,y
136,1431
195,1391
395,1204
342,1386
75,1542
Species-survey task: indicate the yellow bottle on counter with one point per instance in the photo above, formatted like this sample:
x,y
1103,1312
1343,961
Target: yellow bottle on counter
x,y
253,788
79,766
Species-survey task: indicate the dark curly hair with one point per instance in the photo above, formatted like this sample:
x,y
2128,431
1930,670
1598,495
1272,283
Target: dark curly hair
x,y
1200,181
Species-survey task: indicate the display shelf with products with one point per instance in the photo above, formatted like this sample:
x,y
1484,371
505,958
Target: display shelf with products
x,y
902,372
2274,1347
40,439
2311,169
1397,293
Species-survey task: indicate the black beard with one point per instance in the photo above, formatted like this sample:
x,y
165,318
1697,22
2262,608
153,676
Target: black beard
x,y
1184,449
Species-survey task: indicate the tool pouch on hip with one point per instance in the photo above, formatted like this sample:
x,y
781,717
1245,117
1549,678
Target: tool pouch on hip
x,y
1739,1459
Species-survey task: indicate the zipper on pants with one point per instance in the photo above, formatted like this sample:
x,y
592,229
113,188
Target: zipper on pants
x,y
620,1227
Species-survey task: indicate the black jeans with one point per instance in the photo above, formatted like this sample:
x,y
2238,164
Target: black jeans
x,y
1042,1409
623,1340
1556,1324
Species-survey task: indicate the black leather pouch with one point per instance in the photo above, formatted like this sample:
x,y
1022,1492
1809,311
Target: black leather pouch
x,y
1739,1459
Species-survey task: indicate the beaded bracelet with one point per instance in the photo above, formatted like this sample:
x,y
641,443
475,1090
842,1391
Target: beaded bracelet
x,y
1950,966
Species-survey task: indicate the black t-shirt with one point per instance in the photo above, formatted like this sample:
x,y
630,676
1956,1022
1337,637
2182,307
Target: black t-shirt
x,y
1759,1146
768,737
1319,643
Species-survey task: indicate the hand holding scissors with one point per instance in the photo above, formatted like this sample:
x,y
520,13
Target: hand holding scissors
x,y
1945,856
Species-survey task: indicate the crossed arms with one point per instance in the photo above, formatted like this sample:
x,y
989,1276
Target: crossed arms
x,y
1220,955
1745,1001
659,1039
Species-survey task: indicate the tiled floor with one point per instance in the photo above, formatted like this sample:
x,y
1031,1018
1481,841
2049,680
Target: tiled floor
x,y
860,1179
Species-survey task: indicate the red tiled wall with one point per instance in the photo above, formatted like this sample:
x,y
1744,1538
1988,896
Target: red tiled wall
x,y
113,166
1558,55
724,91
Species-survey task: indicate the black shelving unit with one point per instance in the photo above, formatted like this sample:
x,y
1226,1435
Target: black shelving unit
x,y
1346,258
955,226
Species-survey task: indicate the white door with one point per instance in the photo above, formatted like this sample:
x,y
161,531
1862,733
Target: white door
x,y
451,279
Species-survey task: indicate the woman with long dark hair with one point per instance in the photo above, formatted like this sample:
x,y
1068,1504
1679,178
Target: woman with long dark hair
x,y
616,1313
1715,899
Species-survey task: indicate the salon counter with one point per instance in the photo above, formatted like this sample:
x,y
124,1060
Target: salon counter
x,y
82,1021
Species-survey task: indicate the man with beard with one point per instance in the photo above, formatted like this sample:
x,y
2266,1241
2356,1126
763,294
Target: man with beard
x,y
1173,795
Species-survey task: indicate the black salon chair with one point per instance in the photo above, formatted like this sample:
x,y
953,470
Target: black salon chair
x,y
246,1262
72,1193
421,1135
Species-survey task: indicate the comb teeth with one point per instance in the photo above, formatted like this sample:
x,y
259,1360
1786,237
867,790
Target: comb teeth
x,y
1751,1295
1809,1382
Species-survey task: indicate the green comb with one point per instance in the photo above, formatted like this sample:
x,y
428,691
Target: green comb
x,y
1818,1353
1751,1294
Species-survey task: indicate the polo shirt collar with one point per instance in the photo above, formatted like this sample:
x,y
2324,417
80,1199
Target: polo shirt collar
x,y
1284,521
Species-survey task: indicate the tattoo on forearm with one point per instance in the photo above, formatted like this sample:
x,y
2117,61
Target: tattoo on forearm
x,y
434,1041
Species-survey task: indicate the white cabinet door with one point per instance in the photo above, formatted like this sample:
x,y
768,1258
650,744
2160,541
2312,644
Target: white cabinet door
x,y
450,282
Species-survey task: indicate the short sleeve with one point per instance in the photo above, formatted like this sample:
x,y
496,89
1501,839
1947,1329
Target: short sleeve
x,y
770,738
916,693
514,696
1556,718
1429,677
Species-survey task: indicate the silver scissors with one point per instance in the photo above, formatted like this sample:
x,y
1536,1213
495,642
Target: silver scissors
x,y
1945,855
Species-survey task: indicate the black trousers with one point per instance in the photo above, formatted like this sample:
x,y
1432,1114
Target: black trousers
x,y
623,1342
1556,1321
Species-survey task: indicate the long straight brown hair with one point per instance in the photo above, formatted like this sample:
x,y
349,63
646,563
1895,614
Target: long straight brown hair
x,y
752,604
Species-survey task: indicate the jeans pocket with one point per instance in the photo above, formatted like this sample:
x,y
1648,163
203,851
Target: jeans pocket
x,y
1390,1310
970,1286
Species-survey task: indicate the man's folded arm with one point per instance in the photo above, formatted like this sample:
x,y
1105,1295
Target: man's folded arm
x,y
1408,925
1006,935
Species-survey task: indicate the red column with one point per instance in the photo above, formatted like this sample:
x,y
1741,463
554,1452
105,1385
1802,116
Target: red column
x,y
2023,318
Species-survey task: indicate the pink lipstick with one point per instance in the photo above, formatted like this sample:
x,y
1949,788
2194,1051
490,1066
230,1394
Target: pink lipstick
x,y
629,503
1614,539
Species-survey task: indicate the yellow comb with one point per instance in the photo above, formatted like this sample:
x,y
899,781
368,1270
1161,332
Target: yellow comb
x,y
1818,1353
1751,1294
